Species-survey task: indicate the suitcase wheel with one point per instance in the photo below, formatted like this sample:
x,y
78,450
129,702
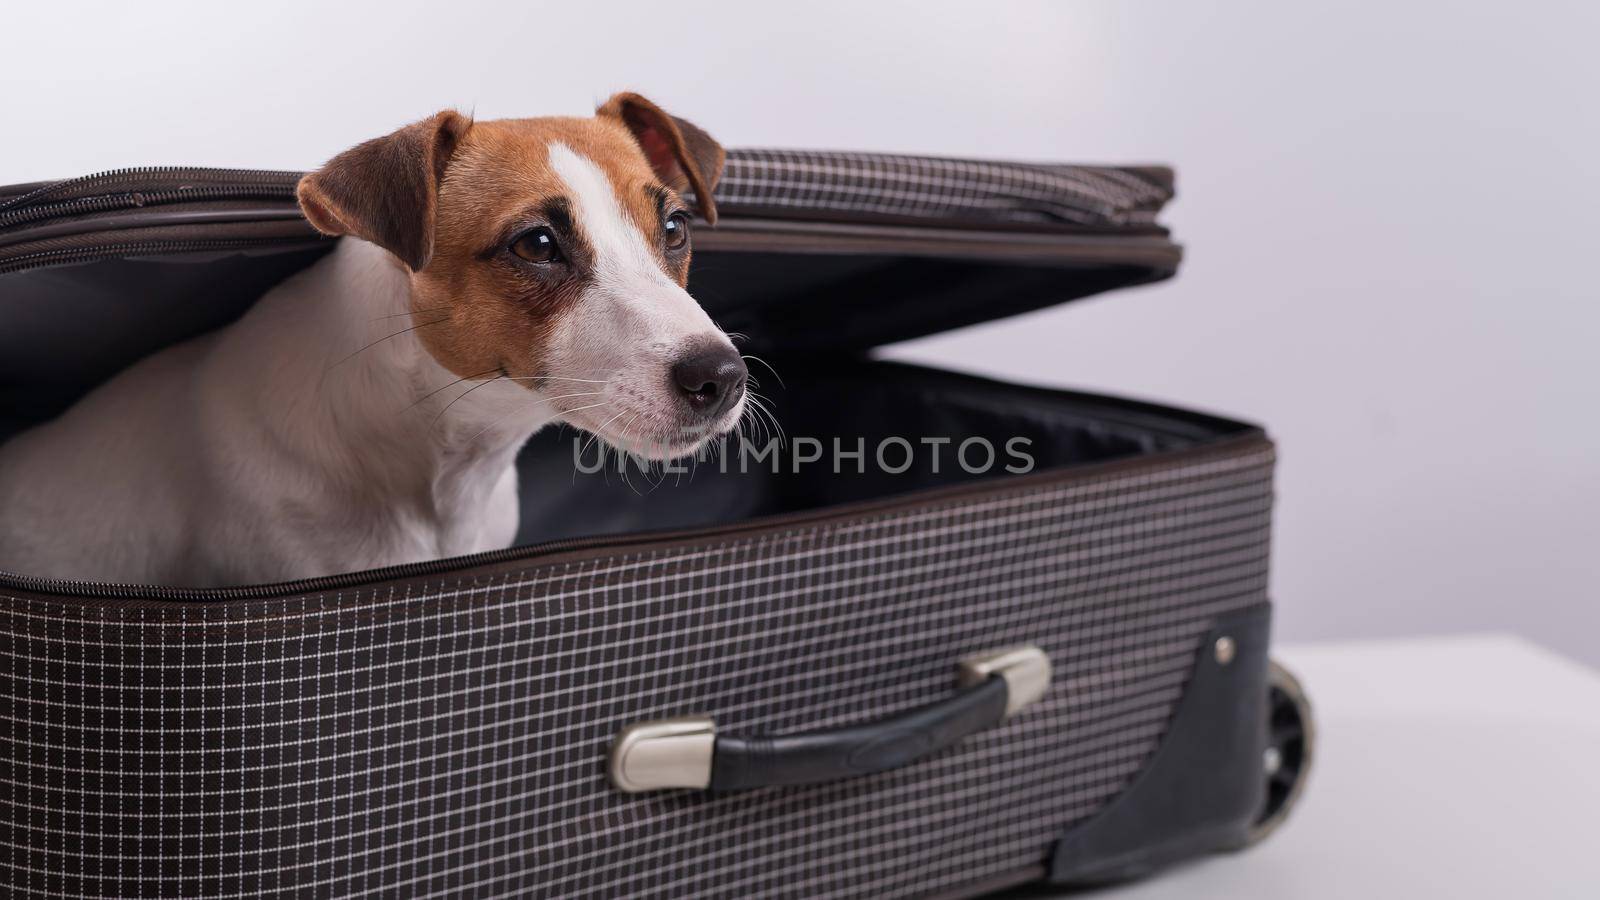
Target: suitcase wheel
x,y
1287,759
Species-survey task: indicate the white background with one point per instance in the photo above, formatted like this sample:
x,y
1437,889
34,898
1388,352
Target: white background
x,y
1387,206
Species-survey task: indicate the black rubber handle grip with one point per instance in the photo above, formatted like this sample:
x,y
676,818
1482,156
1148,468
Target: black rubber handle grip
x,y
813,757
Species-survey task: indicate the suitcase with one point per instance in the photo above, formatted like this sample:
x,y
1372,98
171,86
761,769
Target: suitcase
x,y
824,680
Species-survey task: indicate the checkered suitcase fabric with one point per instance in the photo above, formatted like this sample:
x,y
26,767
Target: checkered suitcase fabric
x,y
446,736
939,189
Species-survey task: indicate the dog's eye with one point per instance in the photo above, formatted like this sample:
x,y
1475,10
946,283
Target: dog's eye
x,y
677,231
538,245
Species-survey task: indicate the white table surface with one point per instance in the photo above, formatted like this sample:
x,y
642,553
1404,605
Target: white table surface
x,y
1446,768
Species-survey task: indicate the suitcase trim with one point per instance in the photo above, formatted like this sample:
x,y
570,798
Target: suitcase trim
x,y
1203,787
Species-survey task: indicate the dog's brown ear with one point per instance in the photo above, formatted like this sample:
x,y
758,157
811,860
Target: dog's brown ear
x,y
683,156
384,190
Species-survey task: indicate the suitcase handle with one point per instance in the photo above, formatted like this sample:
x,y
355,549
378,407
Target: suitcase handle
x,y
688,753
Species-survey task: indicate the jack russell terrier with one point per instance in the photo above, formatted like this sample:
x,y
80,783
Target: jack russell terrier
x,y
493,278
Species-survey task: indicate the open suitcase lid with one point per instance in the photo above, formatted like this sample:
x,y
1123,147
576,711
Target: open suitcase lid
x,y
814,251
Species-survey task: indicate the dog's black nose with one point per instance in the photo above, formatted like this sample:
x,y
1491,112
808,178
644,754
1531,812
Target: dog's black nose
x,y
710,377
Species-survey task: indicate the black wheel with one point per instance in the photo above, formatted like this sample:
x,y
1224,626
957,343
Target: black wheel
x,y
1287,759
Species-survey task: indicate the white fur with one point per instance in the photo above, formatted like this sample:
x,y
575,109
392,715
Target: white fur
x,y
630,324
267,451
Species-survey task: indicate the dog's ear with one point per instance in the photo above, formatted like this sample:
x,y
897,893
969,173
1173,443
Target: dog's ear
x,y
384,190
682,155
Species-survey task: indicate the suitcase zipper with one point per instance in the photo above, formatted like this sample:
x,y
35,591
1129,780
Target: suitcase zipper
x,y
202,183
138,188
94,252
138,199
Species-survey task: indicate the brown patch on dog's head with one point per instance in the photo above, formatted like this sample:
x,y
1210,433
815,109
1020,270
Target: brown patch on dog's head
x,y
553,251
384,190
682,155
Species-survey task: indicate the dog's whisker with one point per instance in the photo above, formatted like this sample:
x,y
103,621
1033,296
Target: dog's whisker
x,y
411,313
557,378
436,391
626,478
624,447
577,394
431,393
777,429
595,434
783,437
567,412
386,337
525,407
752,357
746,419
769,425
479,433
758,428
503,418
758,403
458,397
578,457
539,400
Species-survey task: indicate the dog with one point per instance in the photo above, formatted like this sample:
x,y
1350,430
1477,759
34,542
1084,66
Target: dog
x,y
490,278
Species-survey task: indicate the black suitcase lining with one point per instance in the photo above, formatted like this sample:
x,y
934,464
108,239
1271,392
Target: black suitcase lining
x,y
863,405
